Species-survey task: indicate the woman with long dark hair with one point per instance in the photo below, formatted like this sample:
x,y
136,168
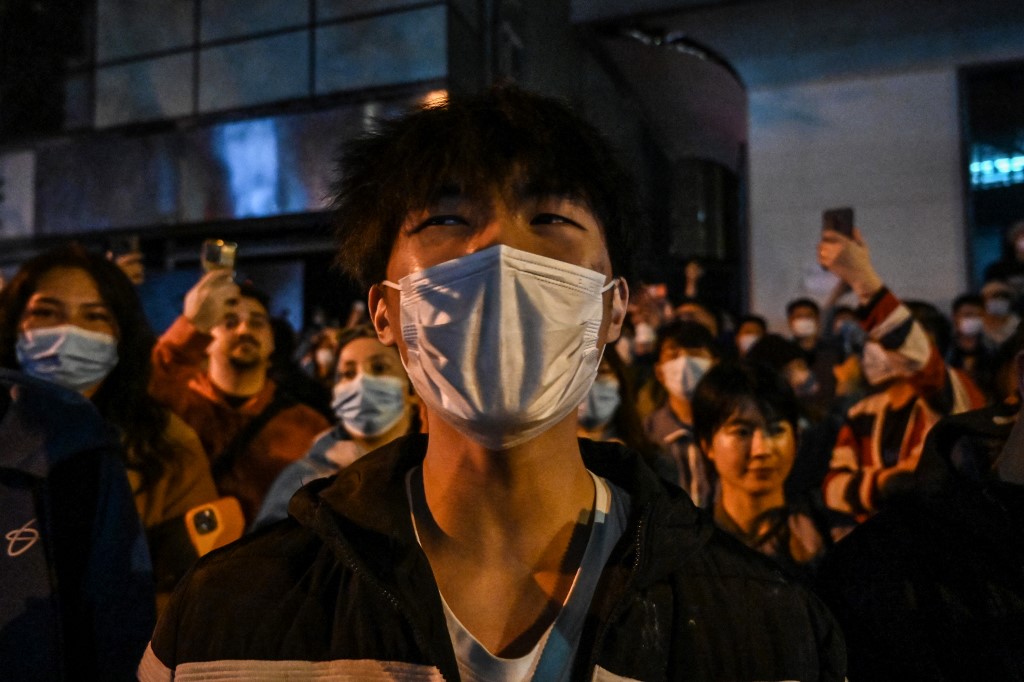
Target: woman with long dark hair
x,y
73,318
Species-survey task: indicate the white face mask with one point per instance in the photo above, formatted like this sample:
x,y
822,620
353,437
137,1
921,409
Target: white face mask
x,y
876,365
803,327
602,401
644,333
369,405
682,374
502,343
746,341
67,355
969,325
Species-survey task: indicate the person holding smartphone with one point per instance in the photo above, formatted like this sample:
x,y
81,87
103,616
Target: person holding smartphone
x,y
210,368
878,447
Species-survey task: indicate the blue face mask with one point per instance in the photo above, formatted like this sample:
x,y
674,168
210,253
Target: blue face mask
x,y
369,405
67,355
600,405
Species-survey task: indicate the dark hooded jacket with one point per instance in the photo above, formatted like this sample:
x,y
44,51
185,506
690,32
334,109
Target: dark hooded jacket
x,y
933,587
76,589
343,584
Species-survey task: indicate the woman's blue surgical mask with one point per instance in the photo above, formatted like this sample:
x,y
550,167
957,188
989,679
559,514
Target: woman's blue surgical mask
x,y
67,355
370,405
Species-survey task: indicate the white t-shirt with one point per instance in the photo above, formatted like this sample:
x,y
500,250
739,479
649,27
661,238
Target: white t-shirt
x,y
552,658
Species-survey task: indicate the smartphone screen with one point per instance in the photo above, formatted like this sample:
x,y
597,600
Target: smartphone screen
x,y
839,220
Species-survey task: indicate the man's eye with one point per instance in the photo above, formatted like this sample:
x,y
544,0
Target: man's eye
x,y
442,220
553,219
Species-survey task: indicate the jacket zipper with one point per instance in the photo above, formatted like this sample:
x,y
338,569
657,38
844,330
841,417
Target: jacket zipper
x,y
374,582
620,604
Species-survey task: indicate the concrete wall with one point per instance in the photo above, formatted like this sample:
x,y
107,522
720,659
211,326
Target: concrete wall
x,y
852,103
887,146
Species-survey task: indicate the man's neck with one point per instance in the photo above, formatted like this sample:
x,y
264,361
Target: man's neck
x,y
499,530
471,490
807,343
238,381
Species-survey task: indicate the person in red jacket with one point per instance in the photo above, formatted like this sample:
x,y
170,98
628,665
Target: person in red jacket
x,y
210,368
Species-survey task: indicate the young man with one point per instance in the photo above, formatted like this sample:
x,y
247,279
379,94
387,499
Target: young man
x,y
494,233
210,368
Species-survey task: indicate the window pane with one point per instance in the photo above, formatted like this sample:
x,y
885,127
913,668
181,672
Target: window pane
x,y
394,48
126,28
105,182
254,72
338,9
239,18
145,90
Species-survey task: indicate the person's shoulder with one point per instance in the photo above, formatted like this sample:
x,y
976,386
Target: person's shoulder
x,y
303,416
269,561
733,592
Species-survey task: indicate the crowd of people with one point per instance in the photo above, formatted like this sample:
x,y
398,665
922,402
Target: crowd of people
x,y
509,465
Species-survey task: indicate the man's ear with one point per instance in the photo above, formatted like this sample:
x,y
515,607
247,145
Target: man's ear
x,y
619,309
378,309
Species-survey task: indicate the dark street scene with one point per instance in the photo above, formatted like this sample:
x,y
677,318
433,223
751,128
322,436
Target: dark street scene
x,y
510,340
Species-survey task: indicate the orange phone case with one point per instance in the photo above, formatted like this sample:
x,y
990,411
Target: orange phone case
x,y
214,524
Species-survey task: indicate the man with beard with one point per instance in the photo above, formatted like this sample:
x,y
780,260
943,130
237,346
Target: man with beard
x,y
210,367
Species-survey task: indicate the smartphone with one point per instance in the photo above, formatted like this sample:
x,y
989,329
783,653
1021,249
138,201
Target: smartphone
x,y
218,254
214,524
839,220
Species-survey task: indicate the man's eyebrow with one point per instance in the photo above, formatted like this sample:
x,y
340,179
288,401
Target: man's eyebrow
x,y
745,421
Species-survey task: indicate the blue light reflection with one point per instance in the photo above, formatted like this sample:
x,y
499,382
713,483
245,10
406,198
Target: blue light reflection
x,y
249,151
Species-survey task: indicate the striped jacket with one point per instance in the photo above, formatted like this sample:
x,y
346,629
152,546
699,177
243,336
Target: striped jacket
x,y
886,430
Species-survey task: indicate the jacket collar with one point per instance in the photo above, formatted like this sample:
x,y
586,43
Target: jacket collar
x,y
45,423
201,384
363,515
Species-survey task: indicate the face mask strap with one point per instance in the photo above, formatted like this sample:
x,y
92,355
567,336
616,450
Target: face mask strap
x,y
392,285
